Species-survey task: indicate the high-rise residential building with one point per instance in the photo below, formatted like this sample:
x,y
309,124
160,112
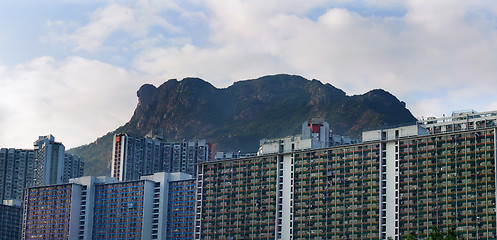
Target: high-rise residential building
x,y
20,168
16,172
10,220
133,157
398,181
46,164
73,167
50,161
103,208
53,165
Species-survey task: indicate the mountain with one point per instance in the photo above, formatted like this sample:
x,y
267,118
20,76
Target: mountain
x,y
237,117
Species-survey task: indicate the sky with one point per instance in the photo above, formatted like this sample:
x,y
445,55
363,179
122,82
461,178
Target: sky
x,y
71,68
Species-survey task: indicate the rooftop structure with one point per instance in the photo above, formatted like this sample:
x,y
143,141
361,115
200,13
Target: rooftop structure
x,y
315,134
393,133
460,120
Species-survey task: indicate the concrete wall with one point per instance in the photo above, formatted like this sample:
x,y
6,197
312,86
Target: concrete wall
x,y
392,188
287,195
75,212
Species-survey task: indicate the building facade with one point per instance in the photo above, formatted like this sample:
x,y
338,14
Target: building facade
x,y
10,220
180,210
103,208
123,210
396,182
133,157
240,199
73,167
17,171
52,212
446,180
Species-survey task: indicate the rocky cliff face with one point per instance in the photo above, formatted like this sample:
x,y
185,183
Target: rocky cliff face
x,y
237,117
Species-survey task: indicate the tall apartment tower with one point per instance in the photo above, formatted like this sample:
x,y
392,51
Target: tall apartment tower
x,y
73,167
50,161
133,157
398,181
158,206
46,164
16,172
182,156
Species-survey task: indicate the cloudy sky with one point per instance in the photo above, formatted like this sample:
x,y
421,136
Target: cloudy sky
x,y
71,68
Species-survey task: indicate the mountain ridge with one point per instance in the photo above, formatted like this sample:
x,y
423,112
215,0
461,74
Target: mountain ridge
x,y
236,117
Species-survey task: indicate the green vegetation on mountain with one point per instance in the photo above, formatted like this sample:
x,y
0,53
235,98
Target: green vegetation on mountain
x,y
237,117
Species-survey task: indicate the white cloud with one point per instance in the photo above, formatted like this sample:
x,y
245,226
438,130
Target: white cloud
x,y
76,100
50,23
461,97
135,19
147,42
435,47
430,107
104,22
438,56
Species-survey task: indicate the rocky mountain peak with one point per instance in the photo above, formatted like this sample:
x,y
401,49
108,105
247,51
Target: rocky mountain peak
x,y
237,117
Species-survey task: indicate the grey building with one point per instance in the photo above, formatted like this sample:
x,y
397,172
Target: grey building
x,y
16,172
46,164
53,165
50,161
133,157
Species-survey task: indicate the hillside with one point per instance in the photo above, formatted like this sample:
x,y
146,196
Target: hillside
x,y
237,117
